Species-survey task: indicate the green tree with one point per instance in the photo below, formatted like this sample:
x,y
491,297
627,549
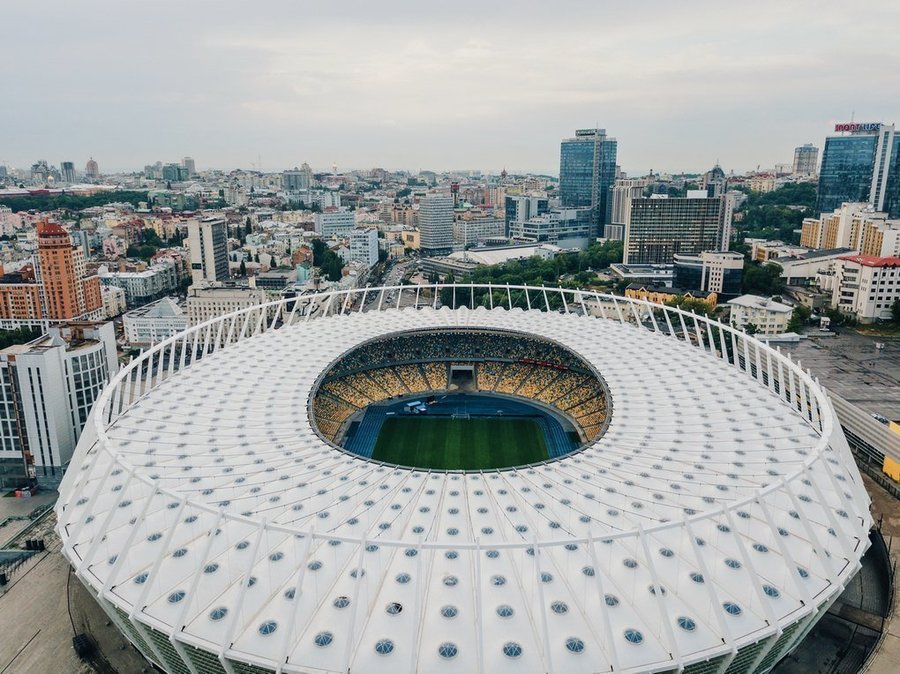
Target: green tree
x,y
447,293
17,336
777,214
256,257
537,271
895,312
691,304
751,328
799,318
71,202
327,260
243,268
318,251
762,279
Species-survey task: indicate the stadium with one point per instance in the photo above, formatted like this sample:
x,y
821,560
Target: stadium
x,y
478,387
317,485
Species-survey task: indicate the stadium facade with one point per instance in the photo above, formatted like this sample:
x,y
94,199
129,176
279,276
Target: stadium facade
x,y
705,527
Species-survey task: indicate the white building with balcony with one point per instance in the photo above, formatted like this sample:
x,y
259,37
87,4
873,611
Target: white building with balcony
x,y
866,287
768,316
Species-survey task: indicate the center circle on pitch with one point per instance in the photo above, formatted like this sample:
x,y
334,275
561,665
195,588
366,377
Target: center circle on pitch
x,y
460,399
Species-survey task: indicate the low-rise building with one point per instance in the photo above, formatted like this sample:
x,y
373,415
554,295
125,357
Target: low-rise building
x,y
649,274
768,316
762,251
114,301
804,268
866,287
712,271
154,322
664,294
468,232
565,227
207,302
275,279
20,297
762,183
393,248
403,214
142,286
504,254
410,238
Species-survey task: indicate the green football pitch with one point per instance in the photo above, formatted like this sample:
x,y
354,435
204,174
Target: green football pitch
x,y
459,444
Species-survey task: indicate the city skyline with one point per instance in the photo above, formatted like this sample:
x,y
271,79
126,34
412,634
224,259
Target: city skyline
x,y
446,87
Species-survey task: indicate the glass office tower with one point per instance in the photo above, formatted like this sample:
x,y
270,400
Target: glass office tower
x,y
890,191
587,171
861,165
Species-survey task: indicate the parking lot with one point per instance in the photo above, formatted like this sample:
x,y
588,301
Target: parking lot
x,y
853,367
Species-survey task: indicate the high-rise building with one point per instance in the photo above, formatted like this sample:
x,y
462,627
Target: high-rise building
x,y
208,241
861,164
856,226
333,221
190,166
522,208
153,171
40,172
47,389
175,173
587,170
658,228
67,172
92,170
295,180
806,160
436,224
623,191
67,292
364,246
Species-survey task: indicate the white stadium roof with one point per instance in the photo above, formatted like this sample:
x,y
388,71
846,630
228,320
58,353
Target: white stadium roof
x,y
204,510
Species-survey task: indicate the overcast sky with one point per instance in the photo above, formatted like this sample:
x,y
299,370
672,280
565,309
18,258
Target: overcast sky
x,y
438,84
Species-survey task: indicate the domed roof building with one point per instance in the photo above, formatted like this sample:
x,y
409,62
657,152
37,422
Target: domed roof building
x,y
707,514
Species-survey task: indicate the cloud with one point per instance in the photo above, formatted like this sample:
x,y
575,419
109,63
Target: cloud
x,y
460,84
